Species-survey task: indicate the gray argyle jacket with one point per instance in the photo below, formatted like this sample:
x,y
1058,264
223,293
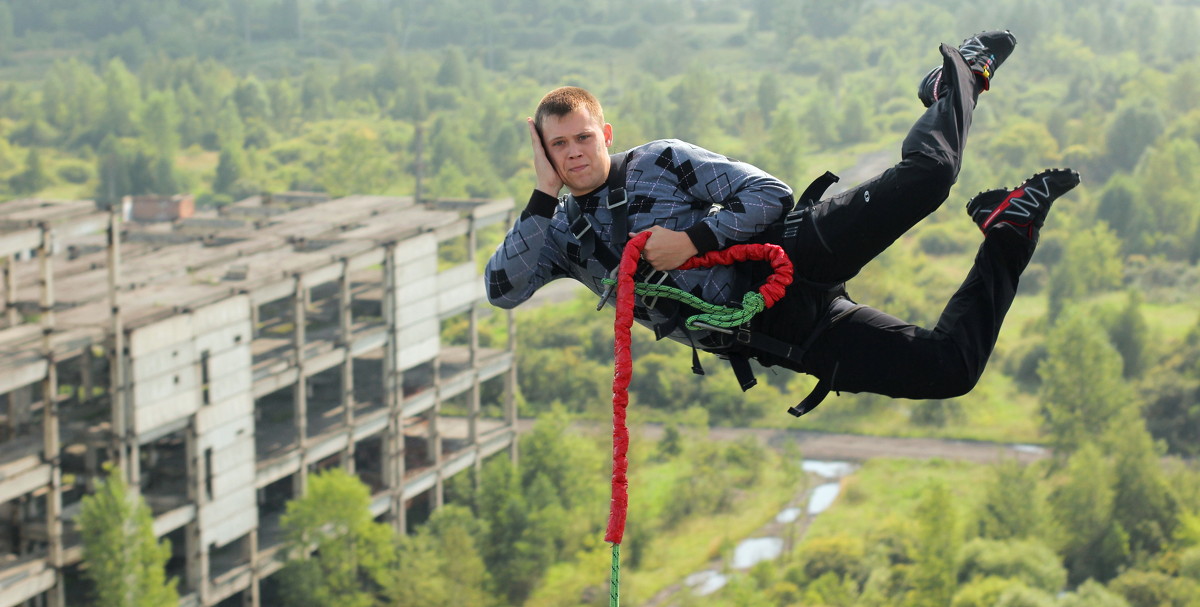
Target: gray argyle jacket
x,y
715,200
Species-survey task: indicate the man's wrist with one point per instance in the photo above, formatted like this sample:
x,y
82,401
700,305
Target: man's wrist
x,y
703,238
541,204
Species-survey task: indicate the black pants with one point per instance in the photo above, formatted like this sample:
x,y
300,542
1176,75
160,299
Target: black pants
x,y
869,350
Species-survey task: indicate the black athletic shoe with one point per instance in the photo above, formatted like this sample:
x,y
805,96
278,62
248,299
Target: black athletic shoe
x,y
1023,208
983,53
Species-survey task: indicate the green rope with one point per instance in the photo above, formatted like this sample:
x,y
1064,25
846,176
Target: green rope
x,y
712,314
614,582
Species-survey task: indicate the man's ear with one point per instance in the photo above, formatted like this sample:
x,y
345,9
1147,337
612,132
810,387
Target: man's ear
x,y
608,135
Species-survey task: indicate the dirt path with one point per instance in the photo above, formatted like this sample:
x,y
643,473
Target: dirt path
x,y
850,447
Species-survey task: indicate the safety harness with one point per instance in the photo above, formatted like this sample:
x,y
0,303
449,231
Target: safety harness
x,y
742,342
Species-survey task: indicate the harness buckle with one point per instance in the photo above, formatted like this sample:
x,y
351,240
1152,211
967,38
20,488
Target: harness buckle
x,y
792,221
795,216
612,198
650,303
580,227
608,290
704,325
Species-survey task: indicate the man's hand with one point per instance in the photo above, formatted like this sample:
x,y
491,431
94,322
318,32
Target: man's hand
x,y
548,180
667,249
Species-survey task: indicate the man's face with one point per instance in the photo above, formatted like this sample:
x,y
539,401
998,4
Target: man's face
x,y
577,145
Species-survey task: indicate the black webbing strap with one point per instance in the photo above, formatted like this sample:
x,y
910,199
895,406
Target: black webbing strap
x,y
583,225
618,202
840,308
814,398
742,371
812,194
749,340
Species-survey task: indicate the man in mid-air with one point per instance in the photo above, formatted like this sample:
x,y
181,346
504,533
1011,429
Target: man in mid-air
x,y
693,201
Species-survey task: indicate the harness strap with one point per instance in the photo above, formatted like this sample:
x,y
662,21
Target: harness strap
x,y
812,194
813,399
752,341
839,308
583,226
742,371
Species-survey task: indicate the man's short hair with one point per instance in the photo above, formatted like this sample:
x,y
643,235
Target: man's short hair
x,y
564,100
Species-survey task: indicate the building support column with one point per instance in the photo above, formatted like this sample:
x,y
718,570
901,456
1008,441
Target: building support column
x,y
253,595
51,447
300,392
20,410
87,377
393,395
346,339
11,313
119,386
435,435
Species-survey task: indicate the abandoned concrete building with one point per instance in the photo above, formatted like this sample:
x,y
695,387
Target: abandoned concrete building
x,y
220,359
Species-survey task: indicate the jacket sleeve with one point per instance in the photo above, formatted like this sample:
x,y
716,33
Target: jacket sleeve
x,y
528,257
748,200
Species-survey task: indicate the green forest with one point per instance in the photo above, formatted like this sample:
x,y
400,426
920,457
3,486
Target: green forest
x,y
1099,360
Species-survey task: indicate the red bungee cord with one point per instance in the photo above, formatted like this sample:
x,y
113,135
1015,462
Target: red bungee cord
x,y
771,291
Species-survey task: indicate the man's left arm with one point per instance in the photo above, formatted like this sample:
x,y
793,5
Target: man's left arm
x,y
749,200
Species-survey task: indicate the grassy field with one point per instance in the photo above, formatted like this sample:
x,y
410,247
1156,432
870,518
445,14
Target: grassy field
x,y
673,554
885,492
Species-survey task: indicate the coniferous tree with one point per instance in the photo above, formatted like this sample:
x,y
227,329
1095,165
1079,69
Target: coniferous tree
x,y
54,102
416,578
1167,183
695,109
252,100
284,104
357,164
1090,264
453,72
1134,128
1092,543
502,505
1012,506
455,532
142,174
1082,387
113,169
1120,208
785,148
1131,336
1143,504
6,28
1030,561
933,574
768,96
122,100
231,166
316,98
33,178
125,563
1092,594
855,124
230,130
353,554
160,123
191,120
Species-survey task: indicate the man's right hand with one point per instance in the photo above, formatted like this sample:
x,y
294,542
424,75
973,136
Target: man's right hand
x,y
548,180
